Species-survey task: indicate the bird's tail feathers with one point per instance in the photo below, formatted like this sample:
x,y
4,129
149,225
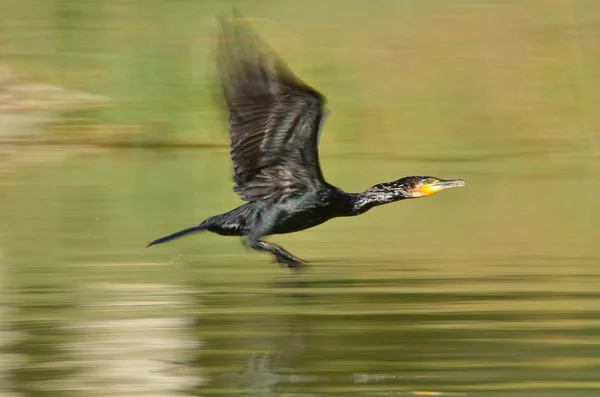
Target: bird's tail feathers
x,y
178,234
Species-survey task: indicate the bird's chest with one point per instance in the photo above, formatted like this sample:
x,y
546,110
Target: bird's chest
x,y
304,214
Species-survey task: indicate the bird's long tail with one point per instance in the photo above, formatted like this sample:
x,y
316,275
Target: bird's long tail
x,y
178,234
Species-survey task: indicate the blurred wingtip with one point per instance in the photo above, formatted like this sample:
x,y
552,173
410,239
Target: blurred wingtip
x,y
236,12
225,17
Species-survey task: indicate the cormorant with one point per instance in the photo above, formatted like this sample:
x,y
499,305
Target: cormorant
x,y
275,122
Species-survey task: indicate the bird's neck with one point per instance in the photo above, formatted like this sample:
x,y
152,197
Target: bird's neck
x,y
362,202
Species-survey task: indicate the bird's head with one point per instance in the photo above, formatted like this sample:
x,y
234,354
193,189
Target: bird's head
x,y
405,188
415,187
422,186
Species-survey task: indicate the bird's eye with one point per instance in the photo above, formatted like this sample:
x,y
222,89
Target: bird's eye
x,y
429,181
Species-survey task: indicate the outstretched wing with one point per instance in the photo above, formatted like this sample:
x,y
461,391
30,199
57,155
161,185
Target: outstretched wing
x,y
275,118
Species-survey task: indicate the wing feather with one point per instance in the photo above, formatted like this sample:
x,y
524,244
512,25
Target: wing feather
x,y
275,119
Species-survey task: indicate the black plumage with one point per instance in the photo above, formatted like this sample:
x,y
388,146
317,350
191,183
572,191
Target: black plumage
x,y
274,118
275,122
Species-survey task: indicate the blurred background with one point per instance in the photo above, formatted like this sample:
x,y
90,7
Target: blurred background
x,y
111,136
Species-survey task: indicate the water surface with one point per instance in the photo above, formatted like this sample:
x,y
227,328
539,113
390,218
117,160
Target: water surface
x,y
488,290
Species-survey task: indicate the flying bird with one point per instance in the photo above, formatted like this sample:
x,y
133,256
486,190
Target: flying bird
x,y
275,122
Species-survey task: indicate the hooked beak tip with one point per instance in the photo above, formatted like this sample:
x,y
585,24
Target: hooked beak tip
x,y
451,183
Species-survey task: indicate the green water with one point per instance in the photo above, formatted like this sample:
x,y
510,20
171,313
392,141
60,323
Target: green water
x,y
489,290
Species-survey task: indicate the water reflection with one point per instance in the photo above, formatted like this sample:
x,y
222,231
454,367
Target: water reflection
x,y
364,341
117,339
492,293
118,353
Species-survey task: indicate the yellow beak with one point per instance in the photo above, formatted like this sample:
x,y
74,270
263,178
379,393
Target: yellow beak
x,y
428,189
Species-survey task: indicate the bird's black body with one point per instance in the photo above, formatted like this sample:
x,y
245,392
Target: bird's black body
x,y
291,214
275,123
